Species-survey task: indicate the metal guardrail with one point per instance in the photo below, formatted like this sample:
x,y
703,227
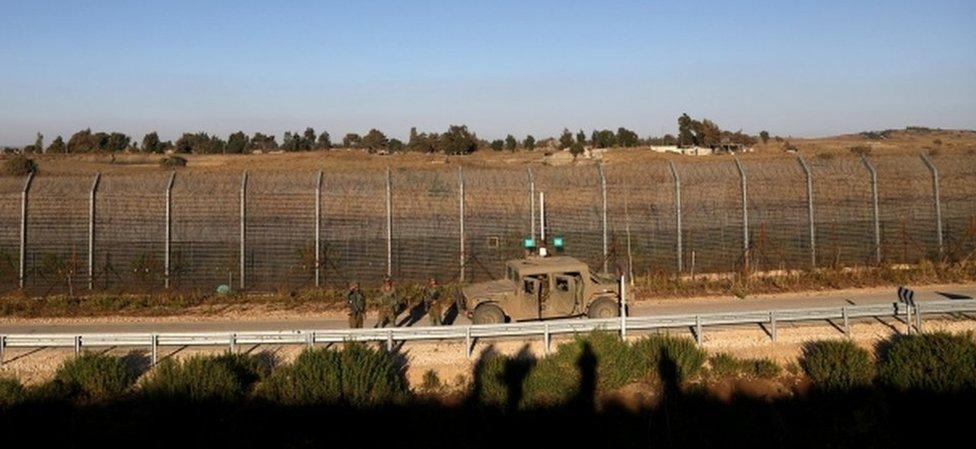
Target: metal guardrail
x,y
545,329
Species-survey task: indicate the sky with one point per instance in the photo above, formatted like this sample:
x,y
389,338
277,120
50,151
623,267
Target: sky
x,y
523,67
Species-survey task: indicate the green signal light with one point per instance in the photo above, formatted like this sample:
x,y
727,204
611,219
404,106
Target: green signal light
x,y
528,243
557,242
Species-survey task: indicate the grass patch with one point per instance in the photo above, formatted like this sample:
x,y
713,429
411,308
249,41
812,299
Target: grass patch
x,y
93,377
837,365
11,392
725,365
225,377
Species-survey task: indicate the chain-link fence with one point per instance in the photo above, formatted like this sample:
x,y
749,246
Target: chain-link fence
x,y
268,231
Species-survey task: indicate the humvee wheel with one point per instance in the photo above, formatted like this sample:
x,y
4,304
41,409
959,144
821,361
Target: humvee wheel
x,y
488,314
603,308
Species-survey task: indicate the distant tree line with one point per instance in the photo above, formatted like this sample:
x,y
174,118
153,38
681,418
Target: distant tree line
x,y
456,140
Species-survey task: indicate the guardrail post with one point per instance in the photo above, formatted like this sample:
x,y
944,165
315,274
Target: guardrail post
x,y
918,319
908,319
874,207
91,231
546,339
3,347
772,325
310,339
468,346
318,230
77,344
154,348
461,260
936,200
623,308
810,217
168,238
745,209
389,224
606,236
698,330
233,343
847,326
23,228
243,230
389,341
677,213
531,203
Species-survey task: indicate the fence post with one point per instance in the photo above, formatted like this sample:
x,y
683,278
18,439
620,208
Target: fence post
x,y
745,209
243,229
468,346
531,203
603,192
318,230
3,347
874,207
154,349
772,325
847,325
389,223
677,212
546,339
623,308
23,228
810,216
168,229
462,256
936,199
91,231
77,344
698,330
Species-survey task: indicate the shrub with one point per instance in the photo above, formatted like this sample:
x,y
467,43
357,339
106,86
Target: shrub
x,y
725,365
937,362
172,162
837,365
11,392
19,165
356,375
205,378
93,376
431,382
687,357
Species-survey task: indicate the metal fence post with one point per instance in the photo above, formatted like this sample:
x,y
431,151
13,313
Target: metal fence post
x,y
874,207
3,347
677,212
623,308
243,230
847,325
389,224
23,228
772,325
468,344
810,216
77,344
167,242
462,255
91,231
936,200
745,208
546,339
603,192
318,230
531,203
154,349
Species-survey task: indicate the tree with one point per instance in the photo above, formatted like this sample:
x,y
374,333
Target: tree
x,y
421,142
603,139
39,143
236,143
764,136
529,143
685,135
395,145
510,143
576,149
80,142
262,142
324,142
375,141
627,138
497,144
581,137
351,140
57,146
308,138
669,139
151,143
566,139
458,140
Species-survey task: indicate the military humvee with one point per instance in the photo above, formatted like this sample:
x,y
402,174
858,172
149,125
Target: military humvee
x,y
542,287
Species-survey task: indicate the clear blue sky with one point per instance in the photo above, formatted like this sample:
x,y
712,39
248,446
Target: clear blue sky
x,y
794,68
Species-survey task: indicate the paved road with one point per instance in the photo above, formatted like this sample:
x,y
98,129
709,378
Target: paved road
x,y
659,307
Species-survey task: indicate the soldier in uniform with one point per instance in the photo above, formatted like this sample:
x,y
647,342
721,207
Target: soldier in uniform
x,y
432,302
388,304
357,305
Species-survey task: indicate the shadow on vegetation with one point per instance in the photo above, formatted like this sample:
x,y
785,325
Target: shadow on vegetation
x,y
495,413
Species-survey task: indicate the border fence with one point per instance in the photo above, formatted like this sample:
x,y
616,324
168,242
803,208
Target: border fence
x,y
268,231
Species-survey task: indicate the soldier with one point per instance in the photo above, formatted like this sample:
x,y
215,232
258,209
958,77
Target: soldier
x,y
357,305
432,302
388,304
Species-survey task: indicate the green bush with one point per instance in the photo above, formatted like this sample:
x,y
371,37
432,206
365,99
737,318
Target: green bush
x,y
11,392
94,376
19,165
725,365
687,357
937,362
172,162
835,365
205,378
356,375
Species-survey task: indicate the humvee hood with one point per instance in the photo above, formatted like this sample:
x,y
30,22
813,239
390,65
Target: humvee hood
x,y
489,288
